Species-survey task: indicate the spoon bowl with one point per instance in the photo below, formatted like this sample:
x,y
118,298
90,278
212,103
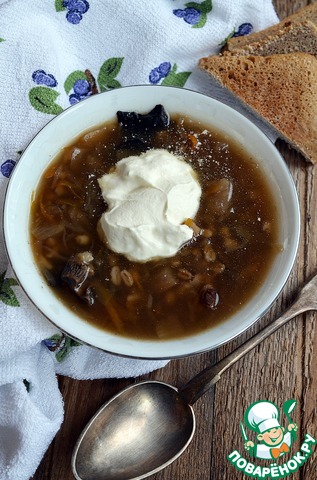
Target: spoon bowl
x,y
138,432
149,424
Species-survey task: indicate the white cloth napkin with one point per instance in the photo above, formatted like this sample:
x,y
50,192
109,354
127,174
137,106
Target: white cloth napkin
x,y
49,52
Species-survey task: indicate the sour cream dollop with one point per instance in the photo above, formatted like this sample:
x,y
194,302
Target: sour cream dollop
x,y
149,197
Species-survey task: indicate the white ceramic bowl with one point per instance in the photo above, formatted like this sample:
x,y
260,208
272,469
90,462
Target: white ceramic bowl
x,y
101,108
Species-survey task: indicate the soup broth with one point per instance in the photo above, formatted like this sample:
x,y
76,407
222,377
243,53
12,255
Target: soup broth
x,y
212,276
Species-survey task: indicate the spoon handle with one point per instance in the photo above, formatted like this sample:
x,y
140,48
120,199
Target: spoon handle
x,y
202,382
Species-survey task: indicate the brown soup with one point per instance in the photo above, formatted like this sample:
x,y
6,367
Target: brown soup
x,y
234,244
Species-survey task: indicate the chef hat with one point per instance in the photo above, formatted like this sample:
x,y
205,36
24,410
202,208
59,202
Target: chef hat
x,y
262,416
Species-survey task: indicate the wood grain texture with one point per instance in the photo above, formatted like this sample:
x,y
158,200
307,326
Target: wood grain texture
x,y
282,367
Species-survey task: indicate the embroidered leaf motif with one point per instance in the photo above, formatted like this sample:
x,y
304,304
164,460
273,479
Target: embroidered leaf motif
x,y
7,295
108,71
59,5
176,79
204,7
113,83
72,78
225,41
43,100
82,84
2,40
66,348
61,344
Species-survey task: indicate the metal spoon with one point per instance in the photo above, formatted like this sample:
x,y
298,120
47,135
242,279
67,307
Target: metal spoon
x,y
148,425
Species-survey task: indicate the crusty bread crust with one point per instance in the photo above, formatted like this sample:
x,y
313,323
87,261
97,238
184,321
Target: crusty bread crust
x,y
309,12
291,37
282,89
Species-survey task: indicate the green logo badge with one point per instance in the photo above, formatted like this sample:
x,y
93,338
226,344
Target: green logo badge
x,y
273,440
270,441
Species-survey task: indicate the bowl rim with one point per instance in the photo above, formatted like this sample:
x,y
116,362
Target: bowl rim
x,y
15,265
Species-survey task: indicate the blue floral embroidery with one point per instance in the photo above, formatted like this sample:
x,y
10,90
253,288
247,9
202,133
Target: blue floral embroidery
x,y
82,90
82,84
75,10
189,14
78,85
194,13
53,343
159,72
243,29
40,77
7,167
169,74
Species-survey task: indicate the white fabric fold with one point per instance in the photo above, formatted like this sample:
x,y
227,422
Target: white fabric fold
x,y
43,46
31,411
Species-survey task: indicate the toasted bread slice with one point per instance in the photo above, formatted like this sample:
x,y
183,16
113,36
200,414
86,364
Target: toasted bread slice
x,y
281,89
292,37
309,12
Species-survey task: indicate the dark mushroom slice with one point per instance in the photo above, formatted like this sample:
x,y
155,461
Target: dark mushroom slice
x,y
77,271
209,297
155,119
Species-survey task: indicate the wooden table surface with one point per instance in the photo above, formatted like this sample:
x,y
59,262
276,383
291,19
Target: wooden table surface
x,y
283,367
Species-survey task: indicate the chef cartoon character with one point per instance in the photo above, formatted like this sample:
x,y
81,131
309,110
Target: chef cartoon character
x,y
263,418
